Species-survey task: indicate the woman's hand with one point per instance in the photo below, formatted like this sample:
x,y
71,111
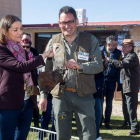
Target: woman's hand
x,y
49,53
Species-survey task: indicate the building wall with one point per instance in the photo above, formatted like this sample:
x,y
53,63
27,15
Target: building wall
x,y
10,7
134,34
33,31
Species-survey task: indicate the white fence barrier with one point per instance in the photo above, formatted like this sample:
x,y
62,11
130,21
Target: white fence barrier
x,y
42,134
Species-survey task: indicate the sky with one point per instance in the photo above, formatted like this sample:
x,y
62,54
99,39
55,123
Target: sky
x,y
46,11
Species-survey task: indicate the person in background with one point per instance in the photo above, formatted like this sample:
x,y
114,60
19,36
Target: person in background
x,y
16,83
129,84
98,96
26,45
77,95
26,38
46,119
47,115
110,75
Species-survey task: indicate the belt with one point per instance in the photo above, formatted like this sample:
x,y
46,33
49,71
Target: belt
x,y
71,89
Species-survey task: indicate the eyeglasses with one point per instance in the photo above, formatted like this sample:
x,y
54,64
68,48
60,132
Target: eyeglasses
x,y
125,47
69,23
25,47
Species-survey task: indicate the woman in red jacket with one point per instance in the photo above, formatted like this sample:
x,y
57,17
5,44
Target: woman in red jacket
x,y
15,80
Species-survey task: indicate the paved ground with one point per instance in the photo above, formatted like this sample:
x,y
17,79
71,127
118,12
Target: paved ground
x,y
117,109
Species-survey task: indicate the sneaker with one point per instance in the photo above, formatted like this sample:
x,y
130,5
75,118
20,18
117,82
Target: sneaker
x,y
133,132
107,126
99,138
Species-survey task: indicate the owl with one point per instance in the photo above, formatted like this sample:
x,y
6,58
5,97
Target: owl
x,y
49,79
59,59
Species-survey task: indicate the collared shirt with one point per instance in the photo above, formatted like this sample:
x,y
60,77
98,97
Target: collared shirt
x,y
70,49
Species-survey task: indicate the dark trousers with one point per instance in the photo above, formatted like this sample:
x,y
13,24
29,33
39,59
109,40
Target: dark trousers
x,y
98,114
129,106
45,121
98,96
15,124
109,93
36,115
83,108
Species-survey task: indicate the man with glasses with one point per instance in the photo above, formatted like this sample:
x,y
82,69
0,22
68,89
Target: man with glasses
x,y
129,80
110,74
83,60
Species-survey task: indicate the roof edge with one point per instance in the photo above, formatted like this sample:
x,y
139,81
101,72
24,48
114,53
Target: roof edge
x,y
107,23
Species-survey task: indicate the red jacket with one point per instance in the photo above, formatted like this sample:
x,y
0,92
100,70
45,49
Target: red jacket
x,y
11,78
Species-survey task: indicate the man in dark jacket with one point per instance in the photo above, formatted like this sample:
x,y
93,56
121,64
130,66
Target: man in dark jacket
x,y
129,78
110,75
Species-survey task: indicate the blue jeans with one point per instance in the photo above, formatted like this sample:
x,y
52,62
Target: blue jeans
x,y
45,120
98,113
110,88
12,119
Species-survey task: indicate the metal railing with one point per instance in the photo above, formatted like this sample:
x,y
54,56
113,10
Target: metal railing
x,y
42,134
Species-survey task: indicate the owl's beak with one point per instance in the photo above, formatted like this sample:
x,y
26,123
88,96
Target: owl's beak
x,y
57,48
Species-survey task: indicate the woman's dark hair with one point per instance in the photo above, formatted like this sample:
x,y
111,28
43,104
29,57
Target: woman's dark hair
x,y
66,10
5,24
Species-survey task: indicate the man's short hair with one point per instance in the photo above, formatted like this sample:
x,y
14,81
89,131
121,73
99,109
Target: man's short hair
x,y
25,33
66,10
110,39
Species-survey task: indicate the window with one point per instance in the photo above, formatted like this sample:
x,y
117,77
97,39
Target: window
x,y
41,41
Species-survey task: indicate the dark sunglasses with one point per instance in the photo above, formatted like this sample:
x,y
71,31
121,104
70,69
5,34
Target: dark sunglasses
x,y
26,47
26,40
